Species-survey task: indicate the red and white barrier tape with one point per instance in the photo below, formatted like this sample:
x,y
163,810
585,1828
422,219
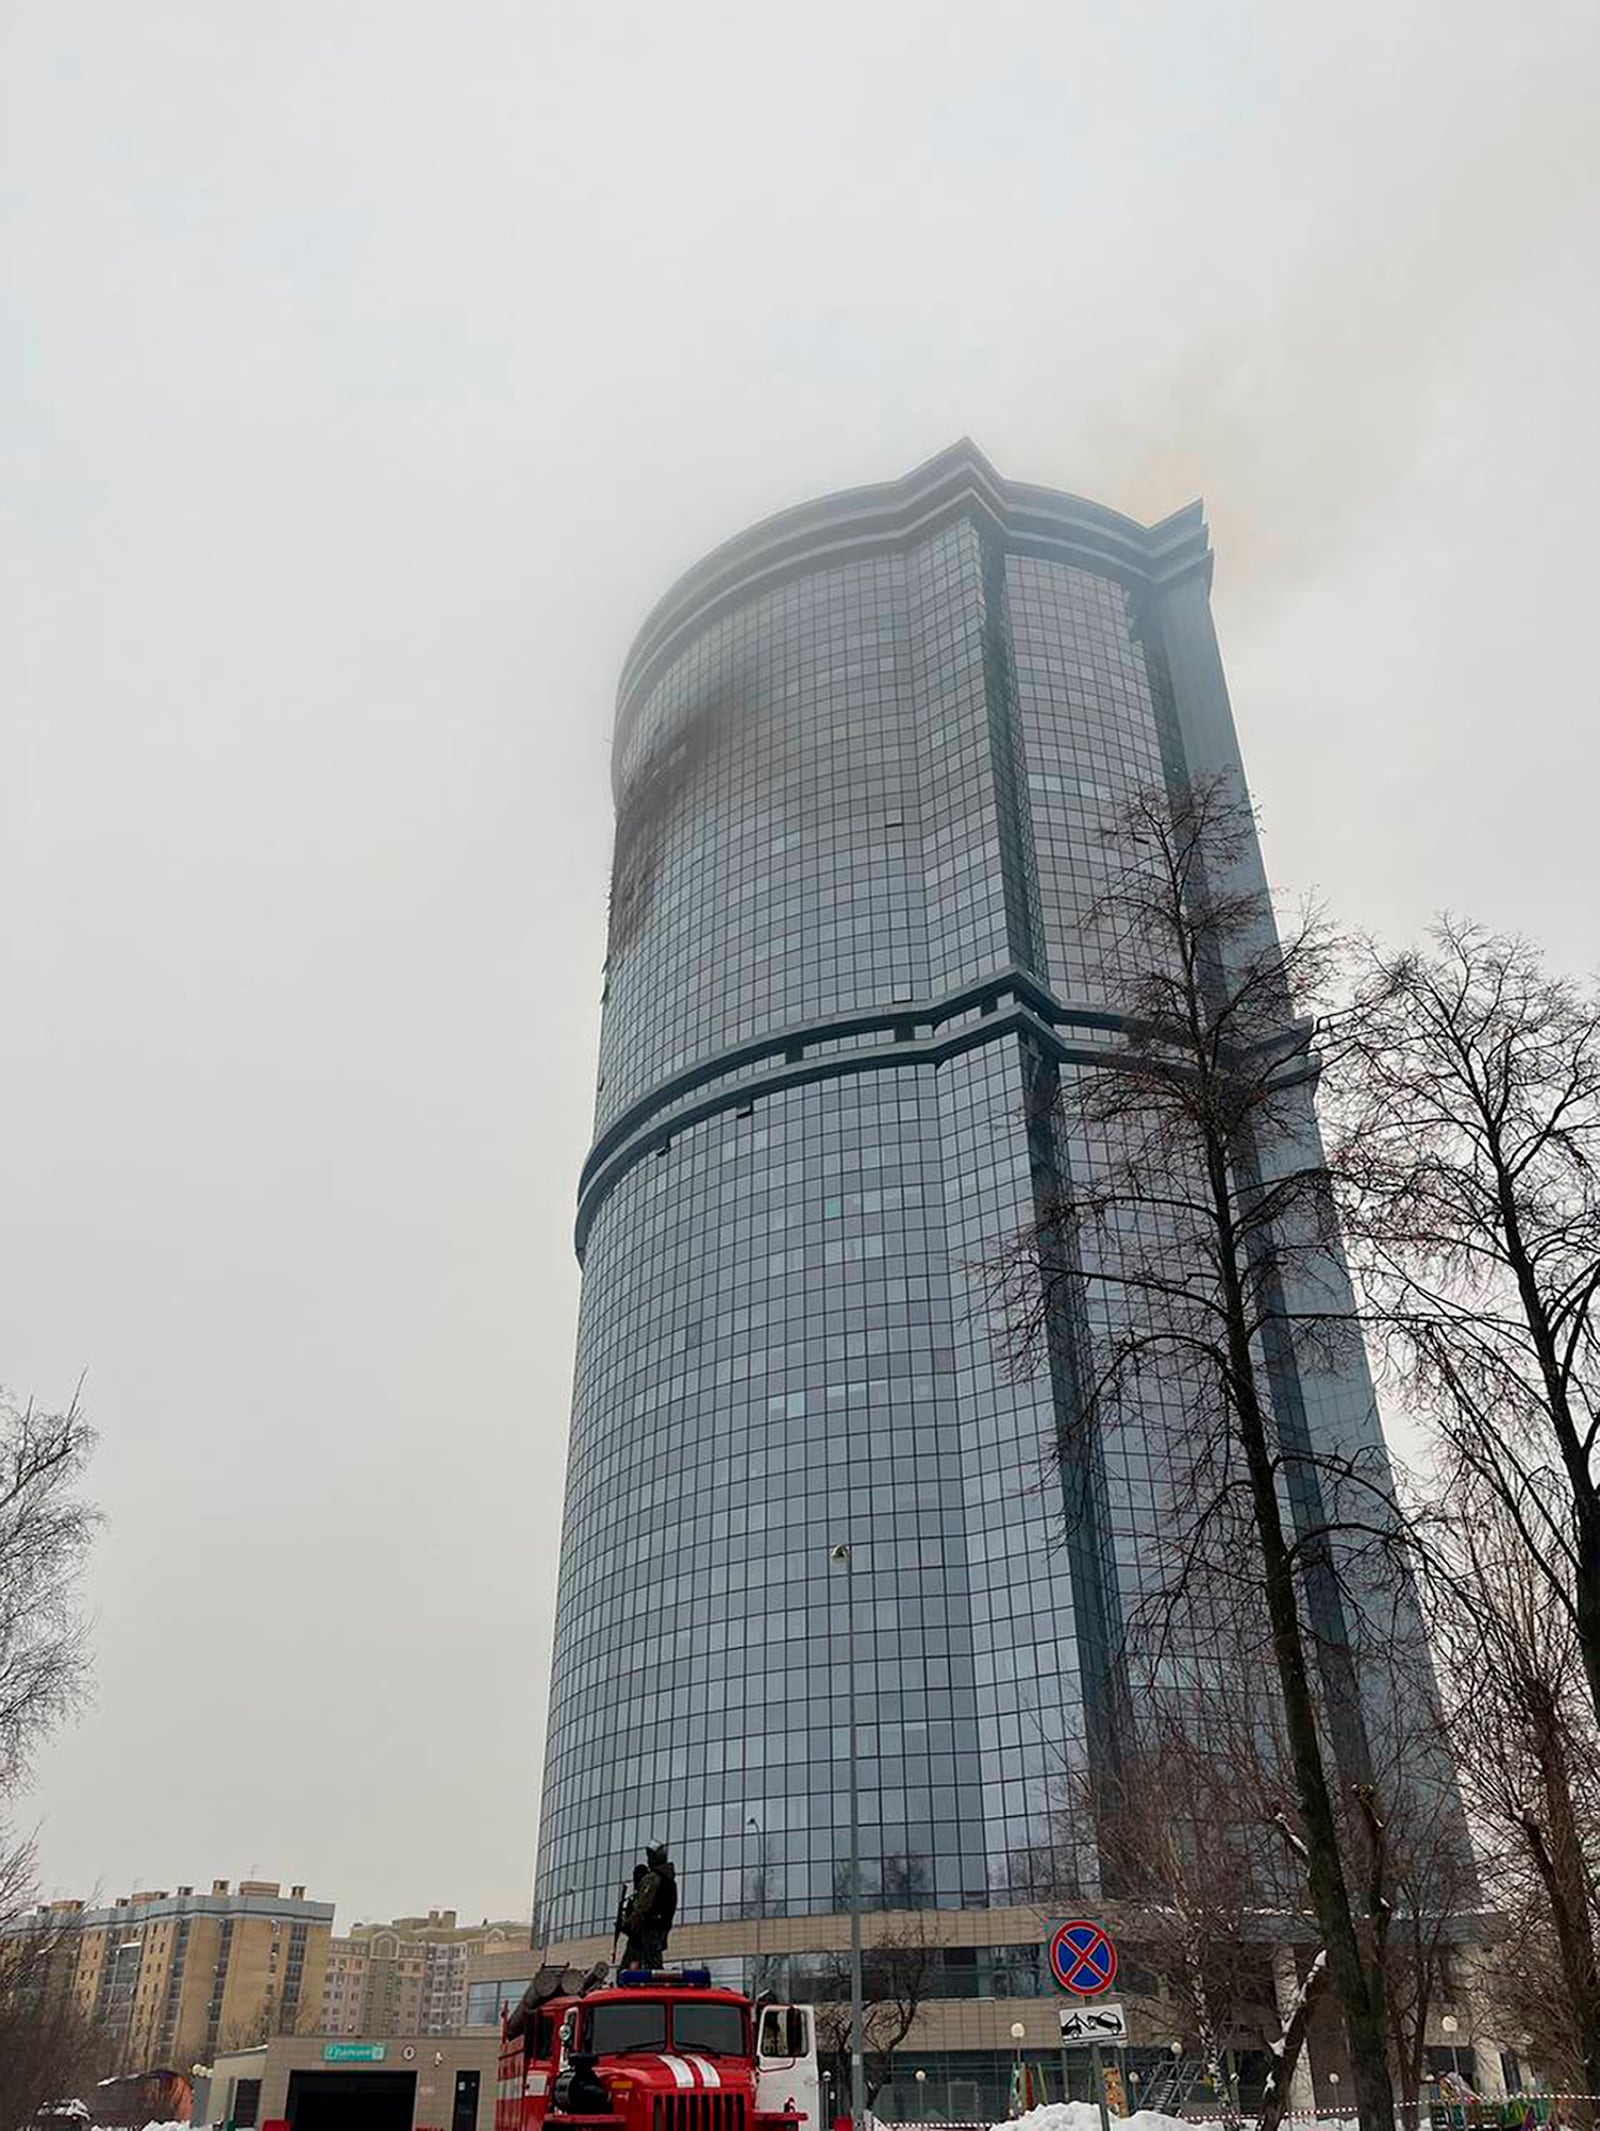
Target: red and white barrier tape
x,y
1552,2102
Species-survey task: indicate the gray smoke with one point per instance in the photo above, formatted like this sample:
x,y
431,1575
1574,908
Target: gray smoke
x,y
1299,408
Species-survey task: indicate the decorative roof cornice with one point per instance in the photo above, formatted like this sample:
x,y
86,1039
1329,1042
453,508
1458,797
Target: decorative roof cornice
x,y
862,522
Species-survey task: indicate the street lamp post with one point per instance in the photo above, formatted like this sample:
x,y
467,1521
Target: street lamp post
x,y
1452,2027
761,1894
1018,2035
842,1555
921,2078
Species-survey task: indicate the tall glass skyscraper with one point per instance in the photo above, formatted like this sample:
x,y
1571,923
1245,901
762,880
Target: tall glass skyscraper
x,y
865,757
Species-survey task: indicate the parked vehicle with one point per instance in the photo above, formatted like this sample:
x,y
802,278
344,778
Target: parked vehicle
x,y
128,2103
663,2051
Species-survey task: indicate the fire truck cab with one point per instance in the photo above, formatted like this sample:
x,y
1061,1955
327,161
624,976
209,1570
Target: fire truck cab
x,y
663,2051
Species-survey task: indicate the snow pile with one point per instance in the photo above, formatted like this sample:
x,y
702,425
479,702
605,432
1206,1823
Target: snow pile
x,y
167,2127
1084,2116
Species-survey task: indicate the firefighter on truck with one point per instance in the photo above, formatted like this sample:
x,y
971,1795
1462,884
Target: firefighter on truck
x,y
657,2050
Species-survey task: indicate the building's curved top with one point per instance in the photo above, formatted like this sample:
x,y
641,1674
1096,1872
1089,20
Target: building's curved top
x,y
860,522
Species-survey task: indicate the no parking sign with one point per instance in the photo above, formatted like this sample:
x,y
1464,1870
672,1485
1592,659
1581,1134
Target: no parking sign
x,y
1082,1958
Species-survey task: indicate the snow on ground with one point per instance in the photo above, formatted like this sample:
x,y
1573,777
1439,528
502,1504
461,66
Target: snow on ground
x,y
1084,2116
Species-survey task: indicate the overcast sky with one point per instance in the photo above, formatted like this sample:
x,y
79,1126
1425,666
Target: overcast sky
x,y
366,371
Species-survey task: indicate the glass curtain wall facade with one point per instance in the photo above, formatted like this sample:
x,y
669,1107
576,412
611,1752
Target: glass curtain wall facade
x,y
865,756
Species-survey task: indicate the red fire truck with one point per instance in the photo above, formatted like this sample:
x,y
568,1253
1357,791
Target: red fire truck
x,y
662,2051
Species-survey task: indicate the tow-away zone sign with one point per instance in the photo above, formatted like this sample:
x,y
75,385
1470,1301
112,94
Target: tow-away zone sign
x,y
1103,2020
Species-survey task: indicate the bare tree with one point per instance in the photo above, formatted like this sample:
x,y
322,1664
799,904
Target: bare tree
x,y
1203,1252
1529,1765
1174,1843
1198,1833
247,2034
1429,1893
1193,1839
269,2019
45,1529
1199,1842
896,1980
1469,1158
49,2050
1523,1976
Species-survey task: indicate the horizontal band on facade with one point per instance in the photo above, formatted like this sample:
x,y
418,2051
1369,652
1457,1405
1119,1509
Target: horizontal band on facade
x,y
912,1014
860,523
1011,1003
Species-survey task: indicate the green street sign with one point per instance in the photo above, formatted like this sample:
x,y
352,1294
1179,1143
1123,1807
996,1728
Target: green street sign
x,y
354,2052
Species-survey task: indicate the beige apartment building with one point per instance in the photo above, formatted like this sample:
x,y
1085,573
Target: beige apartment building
x,y
171,1978
407,1977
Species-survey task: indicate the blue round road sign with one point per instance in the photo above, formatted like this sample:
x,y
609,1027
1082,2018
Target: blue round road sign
x,y
1082,1959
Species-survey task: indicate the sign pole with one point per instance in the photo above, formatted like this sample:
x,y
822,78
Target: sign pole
x,y
1083,1960
1099,2077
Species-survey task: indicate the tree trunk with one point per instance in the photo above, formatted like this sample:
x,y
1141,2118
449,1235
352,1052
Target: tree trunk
x,y
1206,2030
1358,1990
1412,2055
1352,1983
1587,1537
1559,1857
1585,1499
1275,2102
1408,2018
